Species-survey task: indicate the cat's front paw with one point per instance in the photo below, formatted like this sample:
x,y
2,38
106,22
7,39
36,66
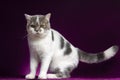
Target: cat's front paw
x,y
30,76
42,77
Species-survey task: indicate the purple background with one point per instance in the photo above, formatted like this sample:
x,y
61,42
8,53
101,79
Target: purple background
x,y
90,25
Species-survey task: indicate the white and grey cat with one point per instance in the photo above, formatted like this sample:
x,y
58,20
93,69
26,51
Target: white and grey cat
x,y
55,53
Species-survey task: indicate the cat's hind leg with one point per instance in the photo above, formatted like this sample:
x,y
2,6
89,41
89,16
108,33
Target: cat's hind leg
x,y
52,76
60,73
63,73
57,76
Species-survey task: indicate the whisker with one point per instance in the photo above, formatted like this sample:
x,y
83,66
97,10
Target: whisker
x,y
26,35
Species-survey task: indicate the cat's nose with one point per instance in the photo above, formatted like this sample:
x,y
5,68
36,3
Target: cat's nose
x,y
36,30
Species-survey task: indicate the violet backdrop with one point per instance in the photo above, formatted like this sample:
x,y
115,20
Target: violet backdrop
x,y
91,25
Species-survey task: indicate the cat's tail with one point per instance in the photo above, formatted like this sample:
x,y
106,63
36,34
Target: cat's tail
x,y
98,57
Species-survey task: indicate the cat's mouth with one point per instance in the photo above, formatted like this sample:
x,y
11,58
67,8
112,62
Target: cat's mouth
x,y
40,31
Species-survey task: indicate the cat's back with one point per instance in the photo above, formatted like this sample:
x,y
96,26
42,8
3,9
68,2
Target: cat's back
x,y
57,35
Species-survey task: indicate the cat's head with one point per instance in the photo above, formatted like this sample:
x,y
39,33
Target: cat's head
x,y
38,25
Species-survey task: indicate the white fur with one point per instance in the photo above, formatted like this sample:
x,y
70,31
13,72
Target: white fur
x,y
37,19
49,52
109,53
59,60
52,76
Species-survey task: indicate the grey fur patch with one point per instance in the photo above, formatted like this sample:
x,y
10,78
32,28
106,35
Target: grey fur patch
x,y
69,69
42,23
100,56
67,74
57,70
68,49
33,19
45,23
79,53
58,73
91,58
62,42
82,54
52,35
64,74
115,48
87,57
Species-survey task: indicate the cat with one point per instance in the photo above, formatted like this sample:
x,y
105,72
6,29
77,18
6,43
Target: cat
x,y
48,47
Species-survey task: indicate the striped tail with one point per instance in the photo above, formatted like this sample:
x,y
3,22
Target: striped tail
x,y
98,57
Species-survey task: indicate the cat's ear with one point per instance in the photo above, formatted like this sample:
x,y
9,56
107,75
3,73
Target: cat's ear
x,y
47,16
28,17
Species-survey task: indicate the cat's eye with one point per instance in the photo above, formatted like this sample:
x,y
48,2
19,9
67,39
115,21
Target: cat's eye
x,y
33,26
42,25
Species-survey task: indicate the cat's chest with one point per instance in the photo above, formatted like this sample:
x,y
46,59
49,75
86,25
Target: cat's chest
x,y
40,46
